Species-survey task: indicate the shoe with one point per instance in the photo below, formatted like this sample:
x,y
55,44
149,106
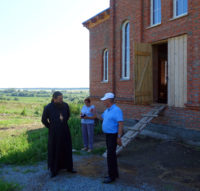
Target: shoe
x,y
52,174
108,177
84,149
89,150
108,180
72,171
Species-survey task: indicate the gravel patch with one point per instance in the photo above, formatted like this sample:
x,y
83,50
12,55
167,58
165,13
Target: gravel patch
x,y
36,178
145,165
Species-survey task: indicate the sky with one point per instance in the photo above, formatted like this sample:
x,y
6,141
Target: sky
x,y
44,44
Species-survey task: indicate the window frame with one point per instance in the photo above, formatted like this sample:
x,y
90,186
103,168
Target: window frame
x,y
175,13
152,13
125,72
105,65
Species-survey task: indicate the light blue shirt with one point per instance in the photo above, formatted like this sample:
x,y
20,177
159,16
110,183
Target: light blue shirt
x,y
111,117
88,112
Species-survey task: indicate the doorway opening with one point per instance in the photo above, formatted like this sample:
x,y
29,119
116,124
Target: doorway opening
x,y
160,73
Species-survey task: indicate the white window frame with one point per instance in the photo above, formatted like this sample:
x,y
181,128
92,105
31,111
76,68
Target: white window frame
x,y
125,58
175,9
105,65
155,11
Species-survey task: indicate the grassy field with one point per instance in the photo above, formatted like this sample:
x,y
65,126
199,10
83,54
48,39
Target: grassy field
x,y
23,139
7,186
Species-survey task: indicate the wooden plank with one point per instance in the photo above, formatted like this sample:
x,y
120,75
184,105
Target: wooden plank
x,y
142,127
125,143
143,82
142,93
135,71
177,71
180,70
129,133
146,119
149,115
135,130
140,53
143,122
139,127
185,69
176,82
119,149
171,72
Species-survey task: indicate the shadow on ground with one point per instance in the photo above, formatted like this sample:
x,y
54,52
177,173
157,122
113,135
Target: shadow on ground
x,y
165,165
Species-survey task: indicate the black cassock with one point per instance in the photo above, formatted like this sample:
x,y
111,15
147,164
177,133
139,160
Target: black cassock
x,y
55,117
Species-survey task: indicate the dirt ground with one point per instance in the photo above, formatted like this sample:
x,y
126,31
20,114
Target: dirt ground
x,y
146,163
163,165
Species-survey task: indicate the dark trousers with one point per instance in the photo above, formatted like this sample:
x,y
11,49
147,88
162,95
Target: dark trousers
x,y
111,143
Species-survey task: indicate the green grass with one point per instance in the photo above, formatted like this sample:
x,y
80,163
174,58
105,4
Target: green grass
x,y
18,113
16,107
30,146
75,129
21,145
7,186
99,151
26,148
29,171
27,110
98,127
15,121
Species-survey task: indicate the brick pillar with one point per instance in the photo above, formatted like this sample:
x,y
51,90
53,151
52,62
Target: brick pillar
x,y
112,34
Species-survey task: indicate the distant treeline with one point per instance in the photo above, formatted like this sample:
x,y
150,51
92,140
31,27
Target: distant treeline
x,y
72,95
46,89
24,93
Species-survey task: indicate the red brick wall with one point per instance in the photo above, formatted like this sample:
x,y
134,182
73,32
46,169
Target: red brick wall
x,y
126,10
170,27
179,117
101,37
140,30
171,116
99,41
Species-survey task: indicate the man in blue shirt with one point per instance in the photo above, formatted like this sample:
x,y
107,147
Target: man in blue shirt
x,y
113,128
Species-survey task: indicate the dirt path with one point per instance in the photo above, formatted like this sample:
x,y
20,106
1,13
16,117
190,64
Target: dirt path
x,y
147,164
164,165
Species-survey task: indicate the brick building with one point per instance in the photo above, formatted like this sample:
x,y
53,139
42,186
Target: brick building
x,y
145,52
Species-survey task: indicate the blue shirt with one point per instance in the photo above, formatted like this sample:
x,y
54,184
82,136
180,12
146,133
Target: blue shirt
x,y
111,117
88,112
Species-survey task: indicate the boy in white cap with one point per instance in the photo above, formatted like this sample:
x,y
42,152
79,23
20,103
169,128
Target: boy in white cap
x,y
113,128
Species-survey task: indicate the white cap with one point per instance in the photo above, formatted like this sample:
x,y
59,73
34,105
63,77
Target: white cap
x,y
108,96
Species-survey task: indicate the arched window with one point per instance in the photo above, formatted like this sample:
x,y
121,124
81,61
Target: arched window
x,y
155,12
105,65
126,50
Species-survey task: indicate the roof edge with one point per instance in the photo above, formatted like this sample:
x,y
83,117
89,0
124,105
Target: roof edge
x,y
97,19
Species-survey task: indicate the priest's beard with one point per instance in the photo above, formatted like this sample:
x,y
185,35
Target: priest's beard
x,y
59,105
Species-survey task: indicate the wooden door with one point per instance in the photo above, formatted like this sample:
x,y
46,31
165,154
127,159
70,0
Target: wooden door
x,y
177,71
143,83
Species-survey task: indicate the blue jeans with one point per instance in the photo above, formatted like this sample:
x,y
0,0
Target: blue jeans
x,y
88,134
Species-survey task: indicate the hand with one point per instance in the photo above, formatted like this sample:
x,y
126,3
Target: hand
x,y
82,116
119,141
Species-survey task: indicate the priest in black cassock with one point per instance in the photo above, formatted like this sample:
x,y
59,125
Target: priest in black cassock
x,y
55,117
